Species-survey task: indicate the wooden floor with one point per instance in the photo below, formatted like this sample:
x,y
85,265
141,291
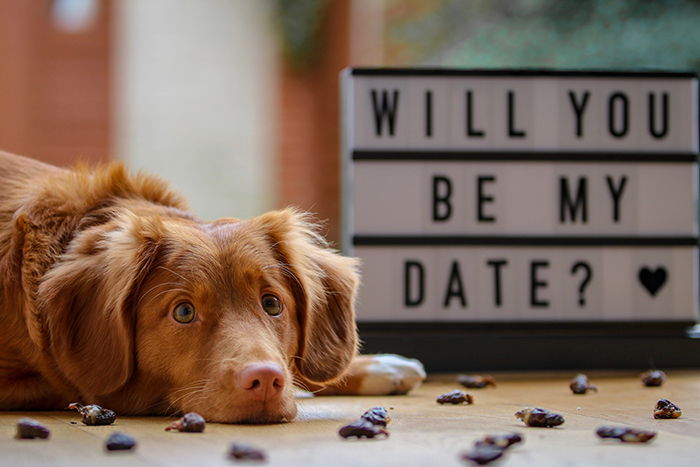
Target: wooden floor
x,y
423,433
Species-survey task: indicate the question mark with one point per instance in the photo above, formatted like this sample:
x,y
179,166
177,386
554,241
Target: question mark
x,y
586,279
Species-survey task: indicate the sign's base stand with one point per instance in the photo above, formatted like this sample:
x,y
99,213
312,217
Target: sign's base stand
x,y
462,347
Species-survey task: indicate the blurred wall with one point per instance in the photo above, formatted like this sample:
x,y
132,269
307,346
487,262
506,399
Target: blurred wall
x,y
195,99
309,120
55,78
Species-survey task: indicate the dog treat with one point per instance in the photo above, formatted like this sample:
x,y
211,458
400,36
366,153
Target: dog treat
x,y
455,397
370,424
94,414
476,381
377,416
666,409
653,378
580,385
28,428
539,417
240,451
491,447
483,454
499,440
362,429
119,441
191,423
626,435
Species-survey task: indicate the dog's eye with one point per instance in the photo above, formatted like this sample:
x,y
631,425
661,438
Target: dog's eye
x,y
271,305
184,313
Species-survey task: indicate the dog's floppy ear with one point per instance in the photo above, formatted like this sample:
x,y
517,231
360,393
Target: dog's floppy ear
x,y
88,302
324,285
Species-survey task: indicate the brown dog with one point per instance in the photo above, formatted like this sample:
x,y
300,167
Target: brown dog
x,y
113,293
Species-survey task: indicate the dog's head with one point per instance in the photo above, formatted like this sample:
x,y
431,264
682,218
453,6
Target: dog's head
x,y
219,318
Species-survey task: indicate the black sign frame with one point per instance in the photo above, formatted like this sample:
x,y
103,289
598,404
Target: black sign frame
x,y
464,346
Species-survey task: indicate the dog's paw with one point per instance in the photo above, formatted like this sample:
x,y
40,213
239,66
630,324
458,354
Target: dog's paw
x,y
390,374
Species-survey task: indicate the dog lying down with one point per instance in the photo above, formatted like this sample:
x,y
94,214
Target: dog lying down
x,y
113,293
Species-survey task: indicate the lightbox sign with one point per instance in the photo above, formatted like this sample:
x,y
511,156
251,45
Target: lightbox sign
x,y
522,195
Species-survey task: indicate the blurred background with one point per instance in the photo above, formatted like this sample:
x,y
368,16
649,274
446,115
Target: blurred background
x,y
236,102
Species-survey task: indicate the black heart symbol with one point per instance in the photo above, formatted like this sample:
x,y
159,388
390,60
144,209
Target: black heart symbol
x,y
653,280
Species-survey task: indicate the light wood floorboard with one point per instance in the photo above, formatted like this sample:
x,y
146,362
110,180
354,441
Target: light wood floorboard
x,y
422,432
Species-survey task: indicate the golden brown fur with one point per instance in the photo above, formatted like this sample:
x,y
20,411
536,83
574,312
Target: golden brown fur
x,y
92,264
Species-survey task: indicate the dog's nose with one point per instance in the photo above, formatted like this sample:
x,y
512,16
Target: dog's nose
x,y
261,381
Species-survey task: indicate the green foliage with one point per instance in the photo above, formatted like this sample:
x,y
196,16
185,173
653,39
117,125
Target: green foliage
x,y
621,34
299,23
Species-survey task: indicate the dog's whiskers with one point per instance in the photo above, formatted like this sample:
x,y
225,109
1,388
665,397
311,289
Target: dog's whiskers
x,y
194,397
188,392
162,284
188,281
169,291
300,384
185,395
284,267
193,385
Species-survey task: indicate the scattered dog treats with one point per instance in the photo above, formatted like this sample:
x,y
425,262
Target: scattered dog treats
x,y
362,429
370,424
119,441
491,447
455,397
666,409
476,381
653,378
500,440
483,454
240,451
626,435
580,385
191,423
539,417
28,428
377,416
94,414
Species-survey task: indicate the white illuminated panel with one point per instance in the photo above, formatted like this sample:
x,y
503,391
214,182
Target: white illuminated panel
x,y
534,198
475,283
523,113
516,196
